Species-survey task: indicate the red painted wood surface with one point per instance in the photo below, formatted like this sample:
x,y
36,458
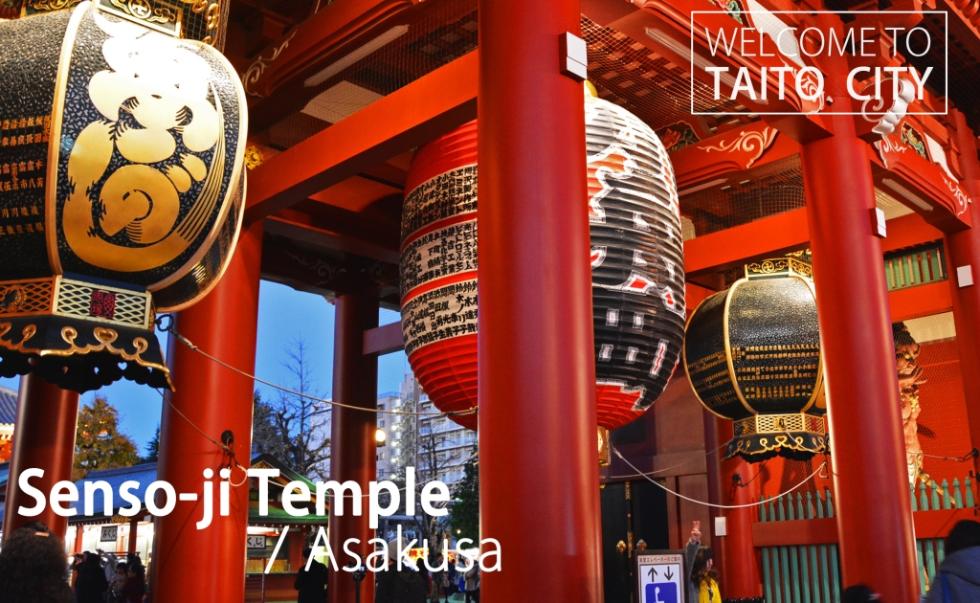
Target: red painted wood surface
x,y
928,524
213,399
384,339
865,423
44,437
406,118
537,370
898,163
923,300
964,250
769,235
352,444
792,533
740,566
730,153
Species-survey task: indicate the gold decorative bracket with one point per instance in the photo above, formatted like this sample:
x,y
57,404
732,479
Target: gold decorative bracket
x,y
780,424
163,17
59,296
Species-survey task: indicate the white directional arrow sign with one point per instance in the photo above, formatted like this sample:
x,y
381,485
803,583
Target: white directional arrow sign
x,y
660,577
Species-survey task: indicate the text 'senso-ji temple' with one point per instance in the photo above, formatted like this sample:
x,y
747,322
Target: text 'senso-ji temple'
x,y
789,266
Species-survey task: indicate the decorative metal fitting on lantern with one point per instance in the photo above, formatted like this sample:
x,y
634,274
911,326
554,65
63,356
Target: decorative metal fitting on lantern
x,y
203,20
637,266
752,355
121,189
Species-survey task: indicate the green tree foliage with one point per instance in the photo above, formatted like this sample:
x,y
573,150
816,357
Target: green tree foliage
x,y
465,517
153,448
98,442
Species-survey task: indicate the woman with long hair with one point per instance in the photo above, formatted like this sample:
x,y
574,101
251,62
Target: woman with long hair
x,y
704,578
702,585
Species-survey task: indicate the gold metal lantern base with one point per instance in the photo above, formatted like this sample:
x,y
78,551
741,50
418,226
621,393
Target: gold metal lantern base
x,y
78,335
793,435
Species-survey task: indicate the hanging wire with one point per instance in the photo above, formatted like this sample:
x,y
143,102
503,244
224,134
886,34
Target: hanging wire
x,y
234,462
230,454
956,459
226,450
715,505
756,476
666,469
168,327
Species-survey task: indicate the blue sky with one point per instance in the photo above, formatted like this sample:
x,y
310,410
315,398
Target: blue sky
x,y
285,317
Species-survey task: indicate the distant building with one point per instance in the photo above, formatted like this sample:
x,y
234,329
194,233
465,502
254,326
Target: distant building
x,y
436,446
386,453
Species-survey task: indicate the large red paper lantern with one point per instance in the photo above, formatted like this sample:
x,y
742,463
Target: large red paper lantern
x,y
637,266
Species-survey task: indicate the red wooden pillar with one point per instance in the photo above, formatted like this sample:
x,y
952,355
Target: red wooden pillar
x,y
191,565
712,433
297,542
874,517
537,437
134,525
740,569
79,533
963,249
352,447
44,438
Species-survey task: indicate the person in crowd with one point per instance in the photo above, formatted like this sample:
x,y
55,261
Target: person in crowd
x,y
958,579
32,567
109,561
451,580
91,585
426,578
311,584
394,585
704,578
134,588
118,583
458,569
859,593
439,581
472,581
702,585
76,562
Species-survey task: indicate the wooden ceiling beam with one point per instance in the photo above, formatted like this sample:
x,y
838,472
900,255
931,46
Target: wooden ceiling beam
x,y
336,229
428,107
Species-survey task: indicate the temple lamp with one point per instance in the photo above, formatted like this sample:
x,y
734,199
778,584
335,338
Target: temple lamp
x,y
752,354
121,188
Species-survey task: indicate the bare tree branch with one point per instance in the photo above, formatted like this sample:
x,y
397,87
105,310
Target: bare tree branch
x,y
297,430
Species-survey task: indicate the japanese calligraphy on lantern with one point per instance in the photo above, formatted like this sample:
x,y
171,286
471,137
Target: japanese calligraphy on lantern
x,y
439,253
440,314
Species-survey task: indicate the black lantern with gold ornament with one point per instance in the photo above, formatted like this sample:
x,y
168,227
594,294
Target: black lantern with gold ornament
x,y
121,184
752,354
